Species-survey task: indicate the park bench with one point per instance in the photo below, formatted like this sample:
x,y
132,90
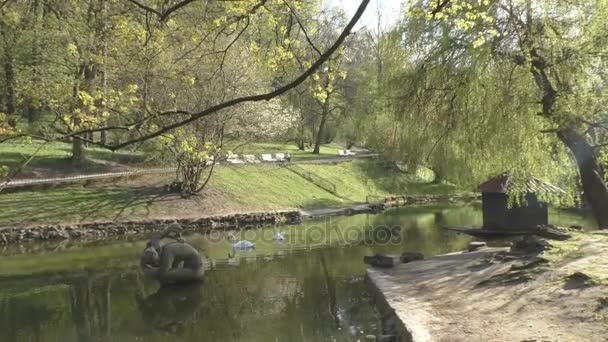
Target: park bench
x,y
234,159
280,157
250,158
344,153
268,158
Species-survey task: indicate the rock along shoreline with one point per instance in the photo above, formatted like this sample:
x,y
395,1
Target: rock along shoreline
x,y
108,229
102,230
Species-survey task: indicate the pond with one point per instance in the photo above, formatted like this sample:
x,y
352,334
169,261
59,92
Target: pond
x,y
309,288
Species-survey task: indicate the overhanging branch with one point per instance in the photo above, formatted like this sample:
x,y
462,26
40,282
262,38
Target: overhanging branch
x,y
252,98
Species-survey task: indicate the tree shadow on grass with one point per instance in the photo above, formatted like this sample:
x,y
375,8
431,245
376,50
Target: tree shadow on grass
x,y
80,204
55,166
390,180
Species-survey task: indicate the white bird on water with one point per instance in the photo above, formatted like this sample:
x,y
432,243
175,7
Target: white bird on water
x,y
243,245
279,236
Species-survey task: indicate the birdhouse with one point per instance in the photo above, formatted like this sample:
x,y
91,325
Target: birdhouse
x,y
526,213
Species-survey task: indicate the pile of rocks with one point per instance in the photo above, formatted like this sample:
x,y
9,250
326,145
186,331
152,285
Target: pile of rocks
x,y
100,230
387,261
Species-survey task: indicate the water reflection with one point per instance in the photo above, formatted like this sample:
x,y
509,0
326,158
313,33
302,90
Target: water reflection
x,y
308,288
171,308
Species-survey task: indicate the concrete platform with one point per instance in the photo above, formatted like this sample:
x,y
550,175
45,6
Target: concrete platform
x,y
418,293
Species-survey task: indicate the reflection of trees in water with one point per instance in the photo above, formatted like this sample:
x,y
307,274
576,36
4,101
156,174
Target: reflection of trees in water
x,y
329,303
422,229
172,309
307,295
21,321
91,307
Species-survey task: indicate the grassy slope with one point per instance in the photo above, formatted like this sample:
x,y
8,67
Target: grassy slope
x,y
53,158
245,188
359,179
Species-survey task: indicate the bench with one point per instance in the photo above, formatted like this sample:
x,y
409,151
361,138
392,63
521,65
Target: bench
x,y
234,159
250,158
344,153
268,158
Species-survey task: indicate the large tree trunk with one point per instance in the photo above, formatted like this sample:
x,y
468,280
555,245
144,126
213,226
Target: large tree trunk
x,y
321,130
78,153
590,170
591,174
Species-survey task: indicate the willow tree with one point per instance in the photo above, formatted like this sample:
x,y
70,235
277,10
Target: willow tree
x,y
495,85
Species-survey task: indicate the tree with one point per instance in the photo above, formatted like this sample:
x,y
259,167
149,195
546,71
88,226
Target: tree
x,y
196,149
506,85
113,73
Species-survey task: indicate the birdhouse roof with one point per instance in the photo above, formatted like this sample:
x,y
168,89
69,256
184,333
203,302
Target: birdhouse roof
x,y
505,183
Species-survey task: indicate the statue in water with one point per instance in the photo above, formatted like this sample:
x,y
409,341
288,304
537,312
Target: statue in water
x,y
172,262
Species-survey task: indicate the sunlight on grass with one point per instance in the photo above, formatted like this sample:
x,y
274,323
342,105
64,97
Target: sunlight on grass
x,y
232,188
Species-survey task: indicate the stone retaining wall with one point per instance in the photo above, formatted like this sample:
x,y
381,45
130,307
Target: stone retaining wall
x,y
101,230
400,201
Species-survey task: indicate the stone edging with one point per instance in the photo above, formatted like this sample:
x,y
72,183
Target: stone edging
x,y
100,230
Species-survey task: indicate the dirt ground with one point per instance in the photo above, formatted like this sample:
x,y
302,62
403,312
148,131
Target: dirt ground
x,y
480,296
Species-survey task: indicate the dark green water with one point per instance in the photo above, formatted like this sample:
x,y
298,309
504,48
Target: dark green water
x,y
309,288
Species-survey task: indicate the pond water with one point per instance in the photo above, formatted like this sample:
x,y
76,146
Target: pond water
x,y
309,288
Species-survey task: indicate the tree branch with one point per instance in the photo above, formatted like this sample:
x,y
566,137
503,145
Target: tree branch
x,y
253,98
4,3
440,6
302,28
162,16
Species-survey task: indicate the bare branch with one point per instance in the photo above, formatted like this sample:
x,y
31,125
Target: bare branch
x,y
295,14
162,16
4,3
440,6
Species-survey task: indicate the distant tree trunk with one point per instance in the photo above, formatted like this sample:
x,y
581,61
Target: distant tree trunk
x,y
85,80
9,90
591,174
104,76
9,76
78,154
321,130
32,105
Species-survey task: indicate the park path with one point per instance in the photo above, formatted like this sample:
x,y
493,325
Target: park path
x,y
20,183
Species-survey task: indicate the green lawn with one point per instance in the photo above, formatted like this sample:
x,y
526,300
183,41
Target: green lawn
x,y
358,179
232,189
54,157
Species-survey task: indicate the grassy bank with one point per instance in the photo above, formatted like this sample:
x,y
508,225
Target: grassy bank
x,y
52,158
232,189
